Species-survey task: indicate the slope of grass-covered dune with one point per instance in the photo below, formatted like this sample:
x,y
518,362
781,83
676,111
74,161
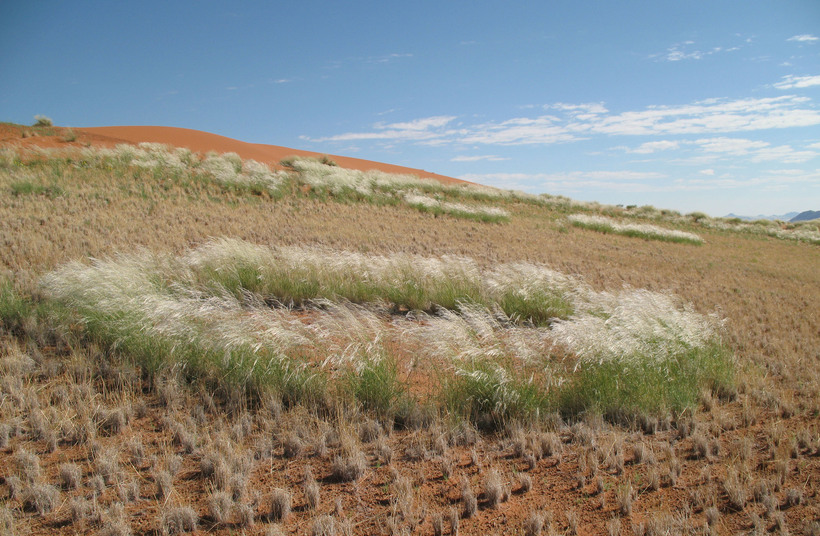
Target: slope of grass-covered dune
x,y
197,341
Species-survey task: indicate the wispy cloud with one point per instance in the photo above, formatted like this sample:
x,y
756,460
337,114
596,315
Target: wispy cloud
x,y
573,122
580,182
424,129
655,146
573,182
798,82
387,58
688,51
477,158
755,150
804,38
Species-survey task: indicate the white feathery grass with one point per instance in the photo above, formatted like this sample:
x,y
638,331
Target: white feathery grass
x,y
633,324
632,229
192,306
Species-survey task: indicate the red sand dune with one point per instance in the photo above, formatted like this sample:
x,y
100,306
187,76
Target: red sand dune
x,y
203,142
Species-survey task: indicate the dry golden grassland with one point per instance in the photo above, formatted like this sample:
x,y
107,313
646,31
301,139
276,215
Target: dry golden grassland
x,y
173,385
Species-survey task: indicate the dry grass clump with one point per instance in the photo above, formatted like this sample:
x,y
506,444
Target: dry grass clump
x,y
178,520
494,489
280,505
42,498
311,489
220,504
469,502
349,466
70,475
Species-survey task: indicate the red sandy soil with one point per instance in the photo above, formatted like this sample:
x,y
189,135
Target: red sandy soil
x,y
195,140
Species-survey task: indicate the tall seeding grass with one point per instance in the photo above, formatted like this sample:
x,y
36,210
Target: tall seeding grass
x,y
395,333
40,172
646,231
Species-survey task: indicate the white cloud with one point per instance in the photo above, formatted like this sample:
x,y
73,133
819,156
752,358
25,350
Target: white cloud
x,y
730,146
685,51
654,146
476,158
799,82
709,172
756,151
804,38
586,108
422,124
424,129
573,122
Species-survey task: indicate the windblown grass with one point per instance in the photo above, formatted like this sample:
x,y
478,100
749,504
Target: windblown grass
x,y
215,314
646,231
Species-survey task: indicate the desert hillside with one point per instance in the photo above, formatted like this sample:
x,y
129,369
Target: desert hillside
x,y
199,337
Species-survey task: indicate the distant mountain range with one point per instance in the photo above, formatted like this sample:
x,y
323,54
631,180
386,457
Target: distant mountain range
x,y
807,215
789,216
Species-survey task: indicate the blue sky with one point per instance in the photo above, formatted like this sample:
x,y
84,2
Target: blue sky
x,y
711,106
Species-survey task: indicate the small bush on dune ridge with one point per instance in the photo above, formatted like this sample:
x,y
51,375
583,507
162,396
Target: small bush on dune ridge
x,y
650,232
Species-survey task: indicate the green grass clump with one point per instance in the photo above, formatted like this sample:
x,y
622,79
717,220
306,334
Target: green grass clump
x,y
29,187
645,231
375,384
490,395
624,389
214,315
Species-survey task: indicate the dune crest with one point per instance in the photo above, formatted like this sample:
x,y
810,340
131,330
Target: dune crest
x,y
203,142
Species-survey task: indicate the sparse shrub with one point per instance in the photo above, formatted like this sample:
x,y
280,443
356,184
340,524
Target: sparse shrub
x,y
624,496
114,522
712,517
469,502
700,446
6,521
129,491
163,483
530,460
292,446
534,524
97,485
452,519
794,497
245,515
27,465
385,453
178,520
572,522
220,505
324,525
42,121
280,505
736,490
369,431
70,475
110,422
654,479
83,511
311,489
613,527
349,466
40,497
493,488
107,465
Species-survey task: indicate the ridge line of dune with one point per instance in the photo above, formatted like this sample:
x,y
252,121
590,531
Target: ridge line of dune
x,y
203,142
